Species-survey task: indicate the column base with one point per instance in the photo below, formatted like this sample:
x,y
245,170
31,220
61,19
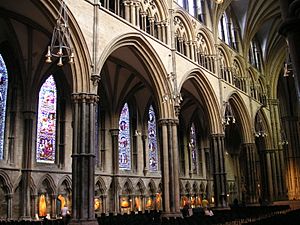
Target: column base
x,y
171,214
84,222
26,218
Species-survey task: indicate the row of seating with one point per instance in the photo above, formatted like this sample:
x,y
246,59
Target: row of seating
x,y
290,218
239,215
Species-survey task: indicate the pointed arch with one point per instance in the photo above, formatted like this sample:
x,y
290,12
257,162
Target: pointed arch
x,y
65,181
5,182
151,186
207,92
47,182
185,23
80,70
100,186
154,66
140,187
128,187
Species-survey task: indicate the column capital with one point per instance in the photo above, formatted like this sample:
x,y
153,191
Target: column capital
x,y
289,25
273,101
28,114
85,97
95,78
114,131
221,135
168,121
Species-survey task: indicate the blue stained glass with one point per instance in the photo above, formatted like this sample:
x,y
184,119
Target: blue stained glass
x,y
46,126
152,137
193,144
3,99
124,139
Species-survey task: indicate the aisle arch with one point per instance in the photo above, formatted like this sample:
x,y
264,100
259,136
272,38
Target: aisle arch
x,y
154,66
206,90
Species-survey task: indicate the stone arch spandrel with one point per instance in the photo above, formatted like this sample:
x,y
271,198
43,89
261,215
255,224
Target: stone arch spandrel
x,y
211,100
152,63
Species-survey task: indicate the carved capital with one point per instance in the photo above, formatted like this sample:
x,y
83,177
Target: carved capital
x,y
84,97
95,78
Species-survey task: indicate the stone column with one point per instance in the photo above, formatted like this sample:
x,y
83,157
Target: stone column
x,y
151,21
132,13
176,168
269,176
274,174
83,158
164,32
170,168
145,153
26,165
9,198
250,175
165,166
127,10
115,164
219,174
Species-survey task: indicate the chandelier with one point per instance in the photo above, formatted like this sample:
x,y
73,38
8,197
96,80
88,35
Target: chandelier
x,y
288,66
228,114
284,140
60,46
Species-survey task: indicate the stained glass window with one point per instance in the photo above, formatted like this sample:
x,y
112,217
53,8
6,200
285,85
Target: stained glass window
x,y
153,155
193,147
124,139
46,126
3,98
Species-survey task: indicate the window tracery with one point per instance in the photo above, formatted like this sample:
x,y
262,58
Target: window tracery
x,y
3,101
181,41
255,54
124,139
46,125
203,56
193,147
152,137
228,30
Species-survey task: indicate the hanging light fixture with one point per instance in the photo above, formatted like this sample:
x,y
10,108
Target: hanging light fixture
x,y
288,66
284,140
260,131
228,114
60,46
219,1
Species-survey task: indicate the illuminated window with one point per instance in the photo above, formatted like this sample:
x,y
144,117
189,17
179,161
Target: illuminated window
x,y
3,99
124,139
152,137
46,126
228,31
193,147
